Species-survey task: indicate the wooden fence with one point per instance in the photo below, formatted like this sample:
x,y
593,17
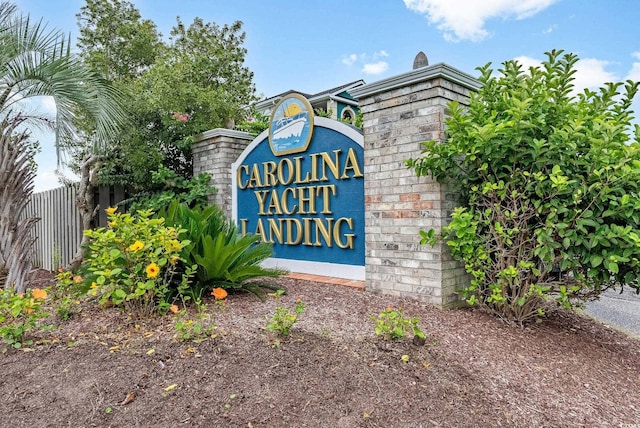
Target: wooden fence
x,y
59,233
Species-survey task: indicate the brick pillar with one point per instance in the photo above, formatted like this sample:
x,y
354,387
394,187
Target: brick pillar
x,y
213,152
399,113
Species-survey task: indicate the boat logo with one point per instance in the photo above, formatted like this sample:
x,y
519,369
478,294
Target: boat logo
x,y
291,125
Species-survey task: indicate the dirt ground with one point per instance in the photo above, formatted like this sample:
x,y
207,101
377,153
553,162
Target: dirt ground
x,y
103,369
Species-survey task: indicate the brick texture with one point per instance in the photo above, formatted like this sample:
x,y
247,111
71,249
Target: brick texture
x,y
398,204
213,153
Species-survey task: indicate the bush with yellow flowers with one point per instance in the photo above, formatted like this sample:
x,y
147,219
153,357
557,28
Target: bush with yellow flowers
x,y
133,262
19,313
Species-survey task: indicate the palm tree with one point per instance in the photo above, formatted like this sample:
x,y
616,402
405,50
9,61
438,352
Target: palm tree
x,y
36,62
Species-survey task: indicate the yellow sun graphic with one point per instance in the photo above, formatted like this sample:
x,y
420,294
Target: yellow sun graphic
x,y
292,110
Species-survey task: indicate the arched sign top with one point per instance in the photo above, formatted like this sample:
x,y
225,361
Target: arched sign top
x,y
291,125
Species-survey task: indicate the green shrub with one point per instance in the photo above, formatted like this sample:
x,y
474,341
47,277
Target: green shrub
x,y
66,294
133,261
255,124
167,186
549,185
224,257
19,313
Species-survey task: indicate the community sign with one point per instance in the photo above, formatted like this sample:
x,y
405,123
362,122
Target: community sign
x,y
300,186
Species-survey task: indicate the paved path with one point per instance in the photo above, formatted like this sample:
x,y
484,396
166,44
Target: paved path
x,y
620,311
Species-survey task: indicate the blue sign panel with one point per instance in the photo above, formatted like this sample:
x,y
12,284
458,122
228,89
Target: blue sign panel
x,y
309,204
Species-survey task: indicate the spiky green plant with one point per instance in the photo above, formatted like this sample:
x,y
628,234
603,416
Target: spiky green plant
x,y
224,257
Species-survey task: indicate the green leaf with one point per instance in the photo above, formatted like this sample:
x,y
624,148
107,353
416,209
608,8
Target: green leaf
x,y
596,260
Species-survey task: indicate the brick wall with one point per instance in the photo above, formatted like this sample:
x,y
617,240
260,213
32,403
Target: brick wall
x,y
213,152
400,113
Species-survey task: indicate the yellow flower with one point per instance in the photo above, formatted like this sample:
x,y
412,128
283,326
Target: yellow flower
x,y
94,285
111,210
219,293
136,246
39,293
153,270
175,245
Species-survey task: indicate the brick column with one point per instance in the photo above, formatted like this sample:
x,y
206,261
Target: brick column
x,y
399,113
213,152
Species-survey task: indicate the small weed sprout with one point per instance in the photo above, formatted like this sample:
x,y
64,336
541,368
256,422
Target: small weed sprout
x,y
203,325
284,318
392,325
67,293
194,328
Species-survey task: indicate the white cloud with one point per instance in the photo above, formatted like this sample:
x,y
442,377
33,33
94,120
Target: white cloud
x,y
528,62
465,19
634,73
380,54
375,67
349,59
590,72
371,63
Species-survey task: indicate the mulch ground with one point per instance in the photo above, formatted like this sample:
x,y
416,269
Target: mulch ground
x,y
104,369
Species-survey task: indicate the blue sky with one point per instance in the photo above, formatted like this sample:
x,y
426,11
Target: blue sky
x,y
314,45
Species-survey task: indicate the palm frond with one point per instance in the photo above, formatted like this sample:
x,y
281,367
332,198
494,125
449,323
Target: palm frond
x,y
36,61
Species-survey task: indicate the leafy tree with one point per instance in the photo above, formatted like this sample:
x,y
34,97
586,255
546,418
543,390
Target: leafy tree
x,y
549,184
115,40
36,62
194,82
207,57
